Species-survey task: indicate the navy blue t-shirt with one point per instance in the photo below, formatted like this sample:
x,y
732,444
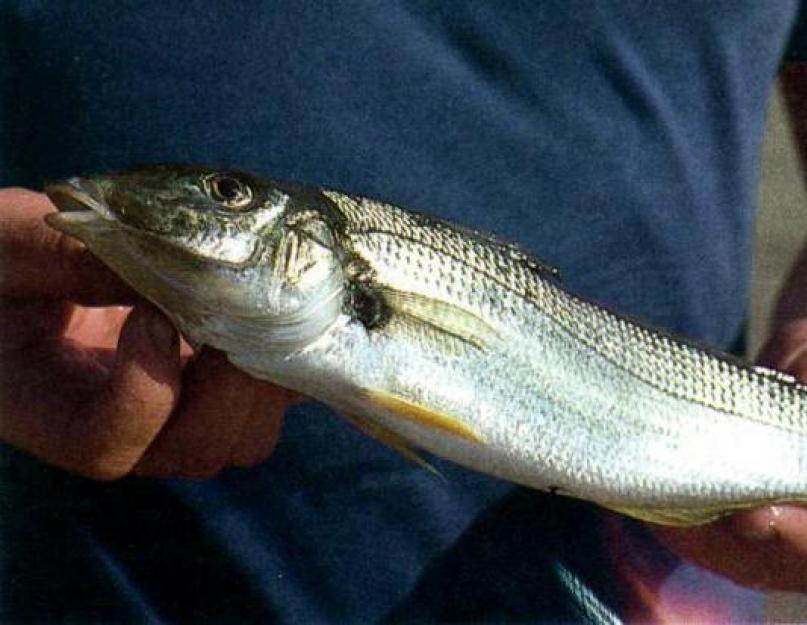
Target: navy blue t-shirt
x,y
617,141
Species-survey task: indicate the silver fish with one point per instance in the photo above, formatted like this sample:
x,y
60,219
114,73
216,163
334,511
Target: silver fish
x,y
434,337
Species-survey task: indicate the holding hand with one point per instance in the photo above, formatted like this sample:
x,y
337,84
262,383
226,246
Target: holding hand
x,y
74,399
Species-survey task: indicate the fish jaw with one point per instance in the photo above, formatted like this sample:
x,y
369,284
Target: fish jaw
x,y
81,205
85,215
139,258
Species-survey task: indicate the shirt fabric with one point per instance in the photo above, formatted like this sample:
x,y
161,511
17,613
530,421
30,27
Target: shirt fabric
x,y
617,141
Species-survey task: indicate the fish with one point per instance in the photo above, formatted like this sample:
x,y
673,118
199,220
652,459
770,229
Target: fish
x,y
434,337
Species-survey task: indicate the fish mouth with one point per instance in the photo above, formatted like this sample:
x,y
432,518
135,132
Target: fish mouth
x,y
80,202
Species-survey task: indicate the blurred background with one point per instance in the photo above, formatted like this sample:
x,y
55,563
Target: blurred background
x,y
781,229
782,218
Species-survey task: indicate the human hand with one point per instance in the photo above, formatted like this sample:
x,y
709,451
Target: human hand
x,y
764,548
72,398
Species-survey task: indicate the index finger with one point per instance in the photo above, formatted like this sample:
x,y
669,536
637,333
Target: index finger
x,y
37,261
764,548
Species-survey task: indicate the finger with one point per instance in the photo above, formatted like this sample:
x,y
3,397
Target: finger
x,y
787,352
94,328
713,547
785,345
258,438
112,431
25,322
218,401
780,523
764,548
797,367
38,261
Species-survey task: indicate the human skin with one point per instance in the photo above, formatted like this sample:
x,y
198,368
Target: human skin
x,y
75,395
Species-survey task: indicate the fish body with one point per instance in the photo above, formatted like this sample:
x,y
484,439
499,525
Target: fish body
x,y
430,336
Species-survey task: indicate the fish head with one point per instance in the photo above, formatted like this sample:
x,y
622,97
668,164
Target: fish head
x,y
218,250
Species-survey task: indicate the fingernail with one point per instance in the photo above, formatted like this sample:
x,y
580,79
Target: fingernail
x,y
162,332
752,527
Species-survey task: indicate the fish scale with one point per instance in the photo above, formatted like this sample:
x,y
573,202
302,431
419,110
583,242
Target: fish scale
x,y
622,336
662,361
436,337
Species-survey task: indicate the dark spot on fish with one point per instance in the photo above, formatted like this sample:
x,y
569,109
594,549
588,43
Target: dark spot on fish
x,y
364,302
367,306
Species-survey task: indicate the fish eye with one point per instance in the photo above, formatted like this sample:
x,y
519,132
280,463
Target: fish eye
x,y
228,190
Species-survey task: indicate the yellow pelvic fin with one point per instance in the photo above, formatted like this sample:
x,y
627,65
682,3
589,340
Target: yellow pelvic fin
x,y
392,440
422,415
442,316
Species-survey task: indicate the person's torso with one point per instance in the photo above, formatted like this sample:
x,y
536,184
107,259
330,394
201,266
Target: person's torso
x,y
616,141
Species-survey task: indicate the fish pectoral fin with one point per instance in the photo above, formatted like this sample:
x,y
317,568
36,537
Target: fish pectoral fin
x,y
422,415
441,315
392,440
683,516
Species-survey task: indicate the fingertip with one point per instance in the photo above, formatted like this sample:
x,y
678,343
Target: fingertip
x,y
257,442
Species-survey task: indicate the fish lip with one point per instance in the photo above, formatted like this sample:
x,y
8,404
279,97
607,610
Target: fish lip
x,y
77,196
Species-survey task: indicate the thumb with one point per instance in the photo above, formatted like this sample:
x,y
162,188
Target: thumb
x,y
110,433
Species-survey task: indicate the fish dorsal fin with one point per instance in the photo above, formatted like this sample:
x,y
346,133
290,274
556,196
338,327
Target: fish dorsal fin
x,y
529,261
513,250
441,315
422,415
391,440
